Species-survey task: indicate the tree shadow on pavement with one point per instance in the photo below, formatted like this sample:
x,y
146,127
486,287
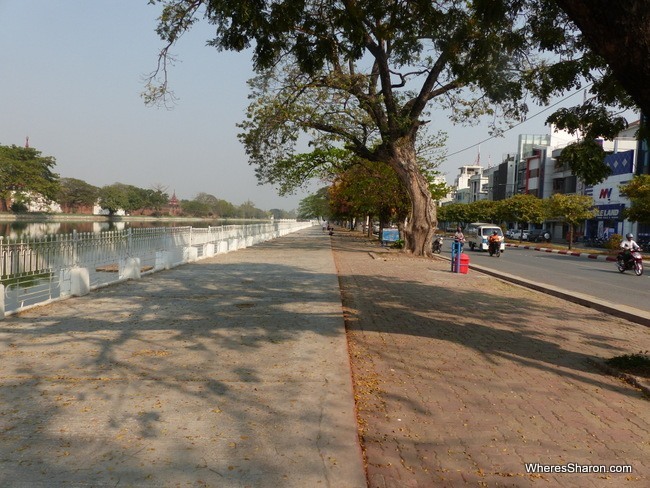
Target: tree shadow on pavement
x,y
213,371
501,322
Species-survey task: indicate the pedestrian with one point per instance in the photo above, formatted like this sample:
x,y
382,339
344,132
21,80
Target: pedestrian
x,y
459,236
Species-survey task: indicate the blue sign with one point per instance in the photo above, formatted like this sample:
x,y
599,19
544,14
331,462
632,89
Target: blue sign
x,y
390,235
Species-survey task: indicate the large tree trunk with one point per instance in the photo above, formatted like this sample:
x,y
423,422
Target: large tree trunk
x,y
421,224
620,33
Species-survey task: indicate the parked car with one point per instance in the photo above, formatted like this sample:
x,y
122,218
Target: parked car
x,y
539,235
519,235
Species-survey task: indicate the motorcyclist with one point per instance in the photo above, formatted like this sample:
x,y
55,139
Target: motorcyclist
x,y
494,239
628,246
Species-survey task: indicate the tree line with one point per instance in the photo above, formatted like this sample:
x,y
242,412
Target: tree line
x,y
26,175
379,196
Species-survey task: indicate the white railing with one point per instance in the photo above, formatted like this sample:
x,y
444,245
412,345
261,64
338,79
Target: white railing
x,y
35,271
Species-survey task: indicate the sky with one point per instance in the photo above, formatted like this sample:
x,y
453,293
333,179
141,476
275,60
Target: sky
x,y
71,76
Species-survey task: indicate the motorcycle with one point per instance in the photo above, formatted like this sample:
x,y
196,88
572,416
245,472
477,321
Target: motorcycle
x,y
437,245
634,262
494,248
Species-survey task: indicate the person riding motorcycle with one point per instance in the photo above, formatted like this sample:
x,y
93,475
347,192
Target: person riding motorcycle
x,y
628,246
494,240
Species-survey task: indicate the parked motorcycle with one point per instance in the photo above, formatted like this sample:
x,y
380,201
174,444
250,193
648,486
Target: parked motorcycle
x,y
494,247
634,262
437,245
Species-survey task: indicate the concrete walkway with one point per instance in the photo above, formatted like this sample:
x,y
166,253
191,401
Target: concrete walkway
x,y
231,372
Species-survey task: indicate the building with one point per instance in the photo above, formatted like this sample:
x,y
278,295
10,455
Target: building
x,y
465,192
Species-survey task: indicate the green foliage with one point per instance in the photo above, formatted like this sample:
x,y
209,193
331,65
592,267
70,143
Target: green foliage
x,y
573,209
315,206
589,121
248,210
19,206
523,208
195,208
114,197
24,173
76,193
363,76
216,207
278,214
586,160
370,188
614,242
457,213
130,198
638,191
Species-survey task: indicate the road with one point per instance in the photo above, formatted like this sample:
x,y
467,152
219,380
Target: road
x,y
598,278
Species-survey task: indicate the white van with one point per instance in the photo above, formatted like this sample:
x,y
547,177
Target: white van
x,y
477,235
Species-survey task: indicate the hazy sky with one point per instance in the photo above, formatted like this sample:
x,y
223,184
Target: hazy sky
x,y
71,75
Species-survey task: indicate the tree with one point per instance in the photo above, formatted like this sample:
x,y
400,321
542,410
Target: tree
x,y
456,214
114,197
75,194
154,199
573,209
24,173
483,211
524,209
370,189
195,208
638,191
248,210
315,206
620,34
363,75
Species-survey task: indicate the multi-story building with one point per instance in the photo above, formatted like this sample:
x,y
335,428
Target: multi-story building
x,y
501,180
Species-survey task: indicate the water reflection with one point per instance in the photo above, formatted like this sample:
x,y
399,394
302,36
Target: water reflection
x,y
19,229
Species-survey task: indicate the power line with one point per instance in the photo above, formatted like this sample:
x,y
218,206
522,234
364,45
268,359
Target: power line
x,y
520,123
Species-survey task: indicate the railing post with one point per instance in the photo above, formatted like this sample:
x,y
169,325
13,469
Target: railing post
x,y
75,256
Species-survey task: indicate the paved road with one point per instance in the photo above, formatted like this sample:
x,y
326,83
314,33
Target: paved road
x,y
598,278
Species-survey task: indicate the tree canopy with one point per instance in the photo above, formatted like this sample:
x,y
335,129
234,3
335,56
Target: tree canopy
x,y
572,209
75,193
365,76
638,191
25,172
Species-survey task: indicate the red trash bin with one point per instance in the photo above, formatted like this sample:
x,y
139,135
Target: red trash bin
x,y
464,263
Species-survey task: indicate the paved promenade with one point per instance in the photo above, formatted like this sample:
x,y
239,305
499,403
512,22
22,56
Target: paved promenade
x,y
234,372
230,372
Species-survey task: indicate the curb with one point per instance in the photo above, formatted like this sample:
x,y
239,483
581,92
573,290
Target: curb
x,y
602,257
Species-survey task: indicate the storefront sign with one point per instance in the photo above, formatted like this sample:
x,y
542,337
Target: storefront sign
x,y
610,212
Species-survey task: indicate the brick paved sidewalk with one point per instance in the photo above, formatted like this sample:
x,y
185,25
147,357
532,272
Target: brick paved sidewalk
x,y
462,379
